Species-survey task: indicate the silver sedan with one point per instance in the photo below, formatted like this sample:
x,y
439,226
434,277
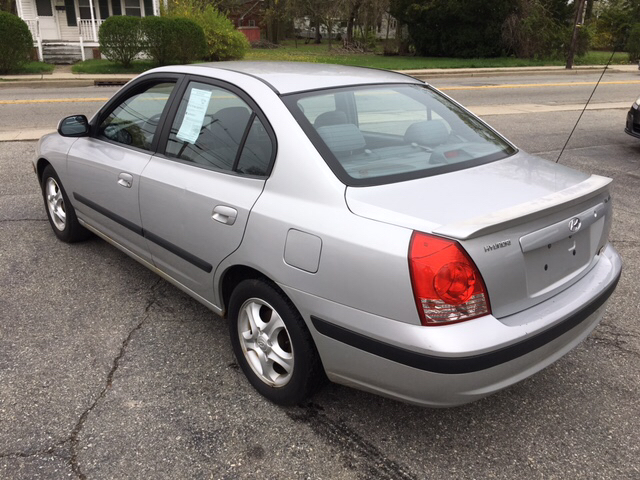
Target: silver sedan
x,y
350,223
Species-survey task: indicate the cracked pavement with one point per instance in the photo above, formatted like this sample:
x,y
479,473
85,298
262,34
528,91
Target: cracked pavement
x,y
107,371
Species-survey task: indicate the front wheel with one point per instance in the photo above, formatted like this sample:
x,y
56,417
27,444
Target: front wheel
x,y
60,212
272,344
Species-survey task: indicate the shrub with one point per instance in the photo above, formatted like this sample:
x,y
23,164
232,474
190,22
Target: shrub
x,y
121,39
532,32
633,43
190,43
173,40
223,41
15,42
159,37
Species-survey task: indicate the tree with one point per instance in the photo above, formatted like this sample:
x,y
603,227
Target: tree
x,y
537,29
454,28
8,6
614,22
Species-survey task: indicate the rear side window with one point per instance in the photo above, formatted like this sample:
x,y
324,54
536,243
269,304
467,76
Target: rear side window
x,y
382,134
215,128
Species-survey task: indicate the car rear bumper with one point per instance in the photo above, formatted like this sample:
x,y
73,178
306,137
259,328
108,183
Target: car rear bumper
x,y
455,364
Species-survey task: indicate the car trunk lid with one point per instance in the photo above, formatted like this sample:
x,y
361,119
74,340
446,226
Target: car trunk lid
x,y
531,226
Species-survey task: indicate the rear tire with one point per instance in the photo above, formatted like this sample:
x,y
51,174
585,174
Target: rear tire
x,y
60,212
272,344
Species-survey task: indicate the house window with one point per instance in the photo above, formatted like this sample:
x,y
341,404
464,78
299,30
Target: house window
x,y
148,8
43,7
252,23
85,9
116,8
132,8
103,6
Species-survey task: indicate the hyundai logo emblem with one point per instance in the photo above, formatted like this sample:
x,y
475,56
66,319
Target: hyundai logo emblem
x,y
575,224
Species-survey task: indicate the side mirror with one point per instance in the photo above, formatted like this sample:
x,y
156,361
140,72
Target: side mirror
x,y
74,126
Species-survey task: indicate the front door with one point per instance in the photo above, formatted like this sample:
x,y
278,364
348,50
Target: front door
x,y
48,24
104,169
195,199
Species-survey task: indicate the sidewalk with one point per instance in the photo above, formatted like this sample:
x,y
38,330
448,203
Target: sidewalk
x,y
62,77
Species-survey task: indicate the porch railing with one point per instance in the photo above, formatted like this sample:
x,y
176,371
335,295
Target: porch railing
x,y
34,28
88,30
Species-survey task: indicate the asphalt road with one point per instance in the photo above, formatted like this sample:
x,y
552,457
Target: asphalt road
x,y
106,371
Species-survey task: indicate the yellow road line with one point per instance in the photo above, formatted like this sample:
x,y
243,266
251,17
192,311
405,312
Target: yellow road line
x,y
535,85
52,100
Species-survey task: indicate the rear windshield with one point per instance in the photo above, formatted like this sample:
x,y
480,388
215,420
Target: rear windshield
x,y
387,133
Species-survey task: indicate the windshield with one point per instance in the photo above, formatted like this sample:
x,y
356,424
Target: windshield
x,y
385,133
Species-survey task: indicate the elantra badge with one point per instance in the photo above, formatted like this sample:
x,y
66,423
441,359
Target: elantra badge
x,y
575,224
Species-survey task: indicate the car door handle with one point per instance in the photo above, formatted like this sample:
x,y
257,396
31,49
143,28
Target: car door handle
x,y
125,180
224,214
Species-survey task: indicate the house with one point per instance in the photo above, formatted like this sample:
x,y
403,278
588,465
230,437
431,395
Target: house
x,y
248,17
65,31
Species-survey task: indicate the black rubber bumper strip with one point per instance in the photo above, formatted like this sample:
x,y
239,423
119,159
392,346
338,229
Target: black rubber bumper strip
x,y
459,365
192,259
109,214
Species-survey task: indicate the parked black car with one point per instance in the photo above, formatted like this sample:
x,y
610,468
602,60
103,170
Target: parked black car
x,y
633,120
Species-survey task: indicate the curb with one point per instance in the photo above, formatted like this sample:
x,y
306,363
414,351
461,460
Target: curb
x,y
64,83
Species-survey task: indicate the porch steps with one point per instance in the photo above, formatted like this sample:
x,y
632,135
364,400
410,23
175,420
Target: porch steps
x,y
61,53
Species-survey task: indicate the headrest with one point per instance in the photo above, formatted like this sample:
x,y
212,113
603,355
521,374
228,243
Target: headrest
x,y
429,133
342,138
334,117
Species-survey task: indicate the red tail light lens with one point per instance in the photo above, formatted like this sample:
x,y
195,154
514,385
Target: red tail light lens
x,y
447,285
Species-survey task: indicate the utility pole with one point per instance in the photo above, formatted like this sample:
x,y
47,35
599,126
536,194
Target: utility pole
x,y
574,38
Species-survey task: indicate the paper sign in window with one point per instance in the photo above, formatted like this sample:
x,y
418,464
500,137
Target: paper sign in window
x,y
194,116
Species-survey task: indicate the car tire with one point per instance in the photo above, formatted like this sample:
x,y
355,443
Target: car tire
x,y
272,344
62,216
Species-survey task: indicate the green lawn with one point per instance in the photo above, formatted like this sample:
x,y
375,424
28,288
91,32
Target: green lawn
x,y
105,66
34,68
321,54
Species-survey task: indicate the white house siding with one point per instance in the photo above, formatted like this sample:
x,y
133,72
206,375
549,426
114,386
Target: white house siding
x,y
67,32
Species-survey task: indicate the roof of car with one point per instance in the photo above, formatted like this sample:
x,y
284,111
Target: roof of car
x,y
291,77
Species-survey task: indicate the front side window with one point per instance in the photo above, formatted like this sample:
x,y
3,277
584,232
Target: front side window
x,y
215,128
134,121
381,134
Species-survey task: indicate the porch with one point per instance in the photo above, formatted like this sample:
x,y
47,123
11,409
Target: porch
x,y
75,23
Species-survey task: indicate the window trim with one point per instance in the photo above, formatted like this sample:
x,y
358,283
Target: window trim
x,y
133,88
256,111
290,101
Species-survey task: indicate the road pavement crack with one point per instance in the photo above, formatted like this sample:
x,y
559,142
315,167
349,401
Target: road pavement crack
x,y
611,336
75,434
356,453
44,452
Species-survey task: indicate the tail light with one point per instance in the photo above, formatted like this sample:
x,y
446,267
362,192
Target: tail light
x,y
447,285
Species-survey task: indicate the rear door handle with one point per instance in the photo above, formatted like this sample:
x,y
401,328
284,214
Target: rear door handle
x,y
125,180
225,214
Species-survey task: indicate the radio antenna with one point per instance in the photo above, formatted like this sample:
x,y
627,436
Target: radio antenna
x,y
586,104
